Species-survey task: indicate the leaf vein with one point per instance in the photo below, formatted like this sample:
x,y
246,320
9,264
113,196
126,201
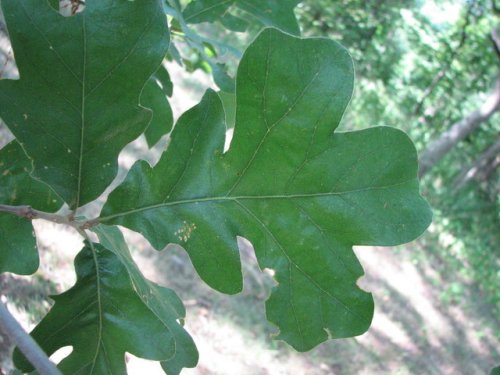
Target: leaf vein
x,y
283,250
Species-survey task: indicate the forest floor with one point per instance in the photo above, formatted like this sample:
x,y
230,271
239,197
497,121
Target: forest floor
x,y
414,331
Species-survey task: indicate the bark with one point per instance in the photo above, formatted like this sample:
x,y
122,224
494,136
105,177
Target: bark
x,y
25,343
461,129
482,167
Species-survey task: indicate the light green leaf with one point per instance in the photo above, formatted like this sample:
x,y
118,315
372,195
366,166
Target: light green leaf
x,y
17,240
229,103
77,102
302,194
275,13
109,312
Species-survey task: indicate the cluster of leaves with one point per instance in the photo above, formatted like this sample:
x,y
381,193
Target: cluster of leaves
x,y
303,195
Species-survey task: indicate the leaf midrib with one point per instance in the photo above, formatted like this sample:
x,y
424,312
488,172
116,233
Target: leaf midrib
x,y
247,197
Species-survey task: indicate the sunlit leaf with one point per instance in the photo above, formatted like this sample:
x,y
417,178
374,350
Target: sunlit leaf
x,y
300,193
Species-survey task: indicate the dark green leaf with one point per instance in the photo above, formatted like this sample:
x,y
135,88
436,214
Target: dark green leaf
x,y
206,10
54,4
274,13
214,254
222,78
17,246
17,240
301,194
154,98
78,95
234,23
109,311
163,77
163,302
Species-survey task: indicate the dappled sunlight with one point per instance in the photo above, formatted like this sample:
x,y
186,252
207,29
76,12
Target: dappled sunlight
x,y
61,353
410,316
58,246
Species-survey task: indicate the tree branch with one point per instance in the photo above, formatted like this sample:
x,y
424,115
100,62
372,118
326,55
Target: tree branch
x,y
26,344
495,39
439,147
30,213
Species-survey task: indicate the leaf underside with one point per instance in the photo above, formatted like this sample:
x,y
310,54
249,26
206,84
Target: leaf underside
x,y
300,193
77,102
17,240
113,309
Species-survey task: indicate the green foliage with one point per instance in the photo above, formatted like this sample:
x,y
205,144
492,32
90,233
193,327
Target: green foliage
x,y
301,193
81,79
276,13
111,310
17,240
154,96
202,199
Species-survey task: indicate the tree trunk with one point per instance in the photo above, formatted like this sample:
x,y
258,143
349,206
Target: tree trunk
x,y
438,148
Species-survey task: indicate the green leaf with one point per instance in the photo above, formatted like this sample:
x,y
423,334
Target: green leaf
x,y
214,254
154,98
229,103
303,195
206,10
109,311
234,23
163,78
162,302
17,240
78,95
222,78
275,13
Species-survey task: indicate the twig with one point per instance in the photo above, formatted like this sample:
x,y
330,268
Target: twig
x,y
26,344
30,213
